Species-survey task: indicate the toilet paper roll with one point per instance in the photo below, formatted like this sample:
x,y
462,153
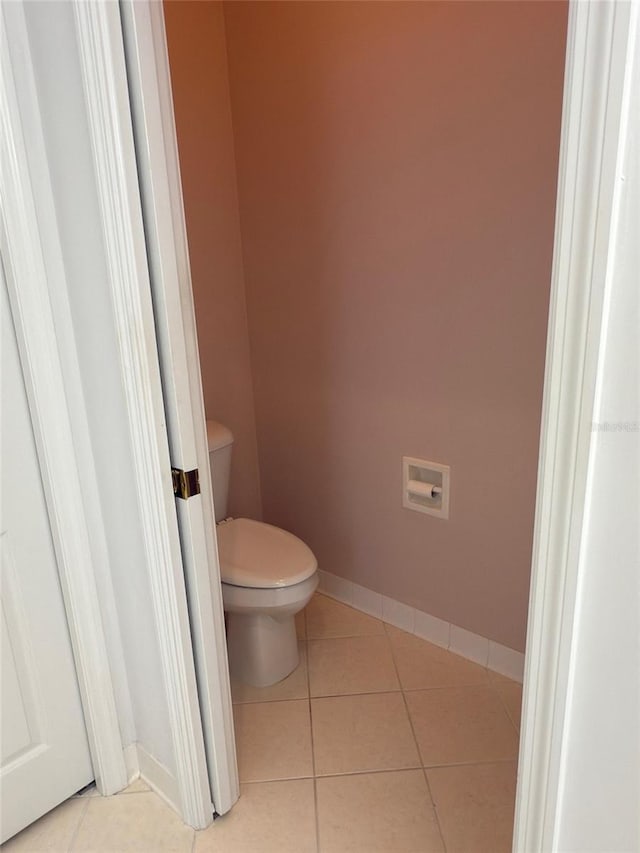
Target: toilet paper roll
x,y
424,490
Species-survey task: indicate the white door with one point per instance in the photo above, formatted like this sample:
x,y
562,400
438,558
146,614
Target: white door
x,y
44,749
166,244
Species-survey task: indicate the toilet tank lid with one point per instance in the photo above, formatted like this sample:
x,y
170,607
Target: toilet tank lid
x,y
218,436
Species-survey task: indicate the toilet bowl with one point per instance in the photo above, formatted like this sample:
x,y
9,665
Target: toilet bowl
x,y
268,575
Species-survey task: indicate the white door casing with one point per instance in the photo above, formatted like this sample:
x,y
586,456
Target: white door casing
x,y
598,99
108,114
159,175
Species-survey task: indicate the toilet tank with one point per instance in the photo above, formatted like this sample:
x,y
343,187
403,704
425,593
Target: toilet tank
x,y
220,440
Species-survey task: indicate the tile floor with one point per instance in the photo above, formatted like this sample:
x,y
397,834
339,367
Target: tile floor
x,y
379,741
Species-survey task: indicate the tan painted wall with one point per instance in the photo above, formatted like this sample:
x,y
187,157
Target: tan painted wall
x,y
197,54
397,166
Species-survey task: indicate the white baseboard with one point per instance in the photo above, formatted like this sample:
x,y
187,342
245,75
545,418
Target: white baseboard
x,y
140,764
130,754
488,653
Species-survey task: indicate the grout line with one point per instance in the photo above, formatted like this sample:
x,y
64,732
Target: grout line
x,y
406,706
369,771
72,841
415,738
313,750
339,696
506,709
435,810
480,685
352,636
278,779
359,693
381,770
317,816
471,763
362,693
271,701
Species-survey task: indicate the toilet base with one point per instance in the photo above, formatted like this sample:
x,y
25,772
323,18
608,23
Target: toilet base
x,y
262,649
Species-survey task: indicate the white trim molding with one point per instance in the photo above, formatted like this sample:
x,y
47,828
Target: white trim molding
x,y
131,762
28,284
158,778
109,118
161,191
597,58
142,765
487,653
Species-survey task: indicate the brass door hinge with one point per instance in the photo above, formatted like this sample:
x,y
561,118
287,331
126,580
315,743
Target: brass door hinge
x,y
186,484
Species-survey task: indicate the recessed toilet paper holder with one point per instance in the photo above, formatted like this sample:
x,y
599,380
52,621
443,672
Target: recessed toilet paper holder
x,y
425,486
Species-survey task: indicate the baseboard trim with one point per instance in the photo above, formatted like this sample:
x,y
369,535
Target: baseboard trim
x,y
158,778
488,653
130,755
141,765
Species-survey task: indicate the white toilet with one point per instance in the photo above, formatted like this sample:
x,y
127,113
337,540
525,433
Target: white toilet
x,y
268,575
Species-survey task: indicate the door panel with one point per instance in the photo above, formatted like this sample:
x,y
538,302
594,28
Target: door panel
x,y
20,718
44,751
161,196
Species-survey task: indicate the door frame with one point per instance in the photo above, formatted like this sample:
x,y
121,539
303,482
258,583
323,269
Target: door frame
x,y
28,282
593,113
109,118
163,211
597,100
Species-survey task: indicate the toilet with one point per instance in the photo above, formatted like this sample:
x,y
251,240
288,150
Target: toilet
x,y
268,575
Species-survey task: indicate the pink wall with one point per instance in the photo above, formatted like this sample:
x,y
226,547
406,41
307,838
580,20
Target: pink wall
x,y
197,54
396,171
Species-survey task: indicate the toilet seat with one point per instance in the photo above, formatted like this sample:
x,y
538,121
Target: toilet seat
x,y
260,556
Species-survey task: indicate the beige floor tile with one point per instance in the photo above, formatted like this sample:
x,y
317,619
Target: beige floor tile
x,y
351,665
511,694
295,686
455,725
364,732
273,740
53,832
269,817
131,823
475,805
329,618
386,812
422,664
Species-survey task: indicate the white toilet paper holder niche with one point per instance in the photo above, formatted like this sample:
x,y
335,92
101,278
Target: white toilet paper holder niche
x,y
425,486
